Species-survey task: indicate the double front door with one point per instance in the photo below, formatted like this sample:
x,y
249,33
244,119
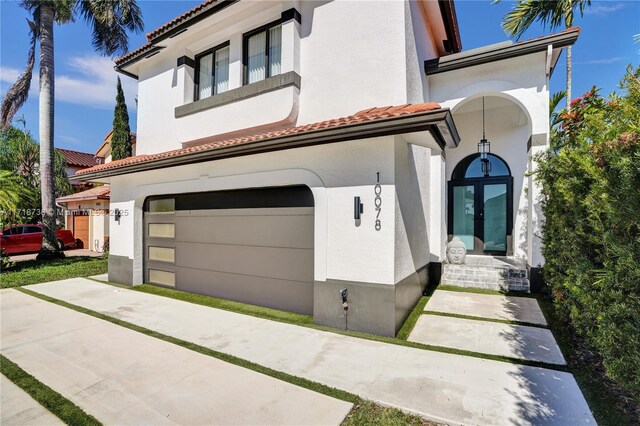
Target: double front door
x,y
480,214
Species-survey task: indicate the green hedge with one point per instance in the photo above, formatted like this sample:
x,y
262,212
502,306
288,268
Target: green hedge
x,y
591,200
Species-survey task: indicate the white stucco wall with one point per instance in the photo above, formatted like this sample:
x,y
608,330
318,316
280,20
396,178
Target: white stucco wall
x,y
522,86
350,56
412,172
335,173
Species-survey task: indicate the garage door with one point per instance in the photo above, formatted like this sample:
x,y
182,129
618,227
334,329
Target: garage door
x,y
253,245
81,230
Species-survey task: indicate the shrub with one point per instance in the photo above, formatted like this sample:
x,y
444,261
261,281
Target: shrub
x,y
5,261
590,181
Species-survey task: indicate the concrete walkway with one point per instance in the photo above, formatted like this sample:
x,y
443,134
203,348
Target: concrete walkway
x,y
514,341
17,408
523,309
124,377
443,387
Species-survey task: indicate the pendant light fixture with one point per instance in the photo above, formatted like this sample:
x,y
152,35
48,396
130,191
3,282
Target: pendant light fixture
x,y
484,148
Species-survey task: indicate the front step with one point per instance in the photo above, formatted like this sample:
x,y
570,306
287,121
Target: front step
x,y
488,272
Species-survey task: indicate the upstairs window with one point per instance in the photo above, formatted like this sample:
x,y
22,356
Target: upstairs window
x,y
262,52
212,71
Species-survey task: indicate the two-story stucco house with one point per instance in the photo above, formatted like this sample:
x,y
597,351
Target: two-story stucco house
x,y
287,150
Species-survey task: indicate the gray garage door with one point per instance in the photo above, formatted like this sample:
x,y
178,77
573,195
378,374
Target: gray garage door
x,y
253,246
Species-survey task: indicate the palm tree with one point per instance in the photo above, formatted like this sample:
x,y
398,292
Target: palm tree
x,y
109,21
13,193
554,13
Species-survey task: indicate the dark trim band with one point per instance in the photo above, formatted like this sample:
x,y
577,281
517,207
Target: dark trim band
x,y
499,52
289,14
185,60
247,91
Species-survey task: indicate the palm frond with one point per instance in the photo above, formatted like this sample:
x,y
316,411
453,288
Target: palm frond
x,y
553,14
554,101
110,21
19,92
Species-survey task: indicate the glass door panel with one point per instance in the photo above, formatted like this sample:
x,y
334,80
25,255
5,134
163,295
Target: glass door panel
x,y
495,217
463,214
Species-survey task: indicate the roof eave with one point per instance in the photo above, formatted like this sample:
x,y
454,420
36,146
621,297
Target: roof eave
x,y
444,64
438,122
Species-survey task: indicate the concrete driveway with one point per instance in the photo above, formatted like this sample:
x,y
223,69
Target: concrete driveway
x,y
447,388
70,253
124,377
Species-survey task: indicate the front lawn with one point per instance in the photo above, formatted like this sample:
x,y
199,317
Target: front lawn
x,y
34,271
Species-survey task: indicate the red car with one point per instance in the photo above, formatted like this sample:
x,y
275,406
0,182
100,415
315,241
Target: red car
x,y
28,238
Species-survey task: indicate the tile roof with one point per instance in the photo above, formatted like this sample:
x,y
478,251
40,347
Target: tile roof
x,y
76,158
107,139
179,19
202,7
99,192
371,114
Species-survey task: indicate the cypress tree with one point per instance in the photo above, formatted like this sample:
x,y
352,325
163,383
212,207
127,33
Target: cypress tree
x,y
121,137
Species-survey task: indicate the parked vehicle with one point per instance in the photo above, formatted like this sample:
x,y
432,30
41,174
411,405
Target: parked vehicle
x,y
28,238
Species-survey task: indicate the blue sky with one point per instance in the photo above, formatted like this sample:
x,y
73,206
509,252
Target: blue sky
x,y
85,82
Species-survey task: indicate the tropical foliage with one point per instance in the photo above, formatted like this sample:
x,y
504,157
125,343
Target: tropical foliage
x,y
552,13
121,137
591,186
20,176
109,20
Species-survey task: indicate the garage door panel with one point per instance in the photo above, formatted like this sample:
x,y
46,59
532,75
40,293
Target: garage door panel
x,y
245,229
291,296
268,262
253,245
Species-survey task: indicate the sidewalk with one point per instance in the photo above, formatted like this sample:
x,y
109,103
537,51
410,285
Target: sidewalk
x,y
443,387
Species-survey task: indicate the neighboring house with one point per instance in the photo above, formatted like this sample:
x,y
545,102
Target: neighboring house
x,y
104,152
269,170
87,216
77,161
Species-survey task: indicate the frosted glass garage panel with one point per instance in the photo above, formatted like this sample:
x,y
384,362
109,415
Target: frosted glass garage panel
x,y
163,254
162,230
162,205
162,277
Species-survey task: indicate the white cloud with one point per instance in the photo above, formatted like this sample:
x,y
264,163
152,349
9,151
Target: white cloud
x,y
603,8
604,61
91,82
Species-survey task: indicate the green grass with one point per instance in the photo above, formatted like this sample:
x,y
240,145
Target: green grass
x,y
364,411
227,305
35,271
485,291
471,317
307,321
57,404
369,413
413,317
596,388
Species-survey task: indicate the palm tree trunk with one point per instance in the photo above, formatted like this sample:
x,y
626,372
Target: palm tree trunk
x,y
49,247
568,78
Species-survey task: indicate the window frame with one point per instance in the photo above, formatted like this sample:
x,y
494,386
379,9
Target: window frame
x,y
196,76
245,50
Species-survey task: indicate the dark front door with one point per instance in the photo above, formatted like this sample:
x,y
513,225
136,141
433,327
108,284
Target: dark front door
x,y
480,207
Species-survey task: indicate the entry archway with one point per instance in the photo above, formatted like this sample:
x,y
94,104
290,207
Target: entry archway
x,y
480,210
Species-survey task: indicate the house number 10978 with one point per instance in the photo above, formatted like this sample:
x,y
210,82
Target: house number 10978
x,y
378,202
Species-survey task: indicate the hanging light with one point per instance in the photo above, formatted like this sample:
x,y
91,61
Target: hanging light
x,y
484,148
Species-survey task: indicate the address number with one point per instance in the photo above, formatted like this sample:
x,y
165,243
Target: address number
x,y
377,190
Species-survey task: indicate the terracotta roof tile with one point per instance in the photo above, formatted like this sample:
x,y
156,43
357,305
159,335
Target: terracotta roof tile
x,y
99,192
370,114
76,158
166,27
177,20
